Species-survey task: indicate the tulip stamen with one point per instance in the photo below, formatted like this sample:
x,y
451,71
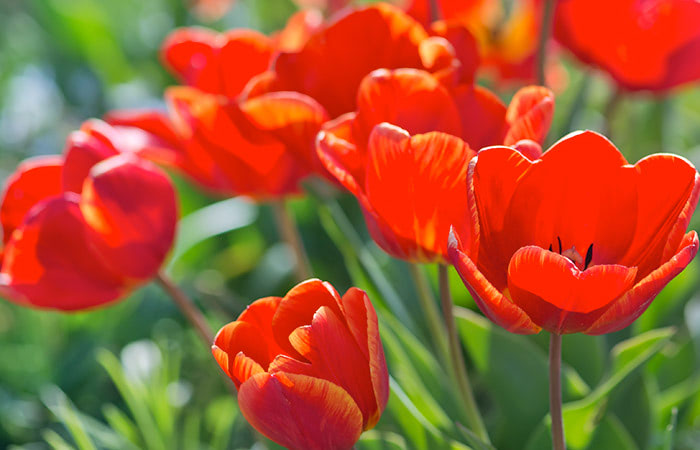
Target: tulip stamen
x,y
589,257
559,241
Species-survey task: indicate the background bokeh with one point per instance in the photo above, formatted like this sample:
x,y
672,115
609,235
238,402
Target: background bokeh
x,y
134,374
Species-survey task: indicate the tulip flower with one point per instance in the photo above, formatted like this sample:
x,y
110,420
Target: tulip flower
x,y
309,367
650,45
578,241
83,231
422,152
334,60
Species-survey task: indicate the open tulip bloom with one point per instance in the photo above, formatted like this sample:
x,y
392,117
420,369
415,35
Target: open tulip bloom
x,y
309,367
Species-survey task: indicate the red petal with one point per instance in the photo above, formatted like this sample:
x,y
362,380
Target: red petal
x,y
189,54
408,98
49,261
301,412
558,296
131,208
298,307
581,192
94,142
333,62
529,115
465,46
663,214
483,116
338,153
260,314
245,54
490,301
363,324
300,27
34,180
430,170
491,181
239,350
627,308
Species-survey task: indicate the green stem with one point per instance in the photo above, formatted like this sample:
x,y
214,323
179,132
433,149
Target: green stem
x,y
290,234
558,442
432,313
459,366
186,306
610,111
545,31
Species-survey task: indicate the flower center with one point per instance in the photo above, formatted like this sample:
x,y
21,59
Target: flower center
x,y
574,256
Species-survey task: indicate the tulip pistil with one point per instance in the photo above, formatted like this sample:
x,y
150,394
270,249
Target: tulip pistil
x,y
574,255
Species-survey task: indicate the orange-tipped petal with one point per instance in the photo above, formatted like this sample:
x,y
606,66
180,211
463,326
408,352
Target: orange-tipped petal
x,y
627,308
131,209
298,307
260,314
364,326
34,180
529,115
239,350
408,98
301,412
498,308
49,262
558,296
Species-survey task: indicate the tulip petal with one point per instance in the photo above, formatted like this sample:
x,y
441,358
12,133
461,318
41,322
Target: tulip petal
x,y
663,214
465,46
339,155
94,142
298,307
408,98
558,296
333,62
260,313
240,351
483,116
627,308
529,115
49,261
132,232
581,192
364,326
34,180
498,308
429,170
496,171
301,412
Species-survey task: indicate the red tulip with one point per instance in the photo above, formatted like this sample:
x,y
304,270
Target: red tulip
x,y
424,153
72,247
578,241
331,65
309,367
650,45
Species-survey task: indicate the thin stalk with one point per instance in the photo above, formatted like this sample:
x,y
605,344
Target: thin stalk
x,y
545,31
290,234
432,313
186,306
558,442
576,106
476,423
610,111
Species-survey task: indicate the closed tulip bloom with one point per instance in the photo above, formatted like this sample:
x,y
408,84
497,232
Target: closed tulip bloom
x,y
309,367
413,138
643,45
578,241
72,246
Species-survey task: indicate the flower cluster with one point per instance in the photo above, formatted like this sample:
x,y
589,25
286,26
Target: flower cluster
x,y
384,103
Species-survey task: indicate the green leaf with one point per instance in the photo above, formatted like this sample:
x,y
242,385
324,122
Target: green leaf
x,y
608,434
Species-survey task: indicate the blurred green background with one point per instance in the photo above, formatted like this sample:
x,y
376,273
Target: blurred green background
x,y
134,375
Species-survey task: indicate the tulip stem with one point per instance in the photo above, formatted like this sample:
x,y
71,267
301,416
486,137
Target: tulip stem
x,y
611,111
186,306
432,314
458,364
545,31
558,442
290,234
